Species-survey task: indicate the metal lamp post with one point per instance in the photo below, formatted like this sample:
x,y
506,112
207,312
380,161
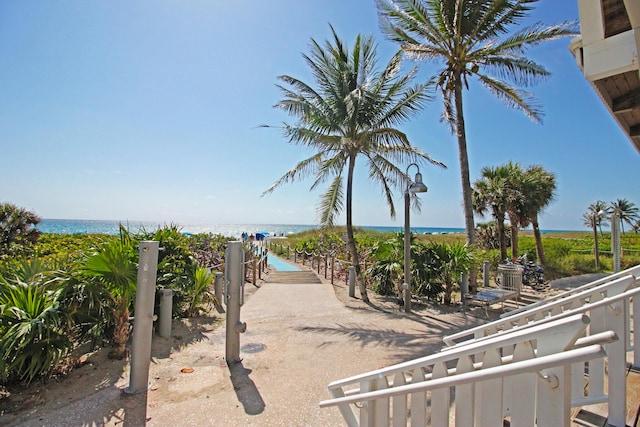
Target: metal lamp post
x,y
415,187
615,241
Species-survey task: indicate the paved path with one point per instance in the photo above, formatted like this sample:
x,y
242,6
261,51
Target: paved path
x,y
299,338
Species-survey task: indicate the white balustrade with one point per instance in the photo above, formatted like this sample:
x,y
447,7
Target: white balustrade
x,y
524,375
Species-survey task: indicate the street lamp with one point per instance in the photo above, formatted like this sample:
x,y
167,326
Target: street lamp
x,y
414,187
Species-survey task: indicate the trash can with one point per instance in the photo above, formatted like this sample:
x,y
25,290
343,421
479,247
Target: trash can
x,y
510,277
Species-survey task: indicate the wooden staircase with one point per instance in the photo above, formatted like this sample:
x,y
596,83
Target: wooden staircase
x,y
292,277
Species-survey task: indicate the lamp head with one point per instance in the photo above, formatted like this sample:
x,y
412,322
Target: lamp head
x,y
418,186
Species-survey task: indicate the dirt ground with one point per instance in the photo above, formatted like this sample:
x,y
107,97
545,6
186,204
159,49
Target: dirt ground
x,y
94,372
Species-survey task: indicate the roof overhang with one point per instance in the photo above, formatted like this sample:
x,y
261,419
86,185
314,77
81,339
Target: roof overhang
x,y
607,52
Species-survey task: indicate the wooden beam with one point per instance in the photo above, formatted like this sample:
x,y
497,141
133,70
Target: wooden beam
x,y
634,131
626,102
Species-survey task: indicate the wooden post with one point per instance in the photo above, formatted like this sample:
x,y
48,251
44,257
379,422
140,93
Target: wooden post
x,y
325,265
245,269
333,262
318,261
254,270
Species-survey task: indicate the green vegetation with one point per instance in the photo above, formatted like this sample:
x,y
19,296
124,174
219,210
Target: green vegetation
x,y
62,291
438,260
17,230
472,39
520,194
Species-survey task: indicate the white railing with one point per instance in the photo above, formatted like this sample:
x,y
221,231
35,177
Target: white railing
x,y
554,308
609,305
633,271
524,375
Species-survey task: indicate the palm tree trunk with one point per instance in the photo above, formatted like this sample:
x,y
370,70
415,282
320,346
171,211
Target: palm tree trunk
x,y
596,249
464,173
539,248
514,236
502,239
351,242
120,332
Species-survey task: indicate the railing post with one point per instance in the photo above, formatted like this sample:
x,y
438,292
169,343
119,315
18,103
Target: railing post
x,y
253,268
166,313
333,264
352,281
234,274
143,323
218,286
326,258
485,274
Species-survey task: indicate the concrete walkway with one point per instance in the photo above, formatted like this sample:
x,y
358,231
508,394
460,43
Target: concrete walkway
x,y
299,338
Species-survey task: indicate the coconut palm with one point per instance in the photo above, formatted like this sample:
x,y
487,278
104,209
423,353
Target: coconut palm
x,y
472,38
626,211
351,113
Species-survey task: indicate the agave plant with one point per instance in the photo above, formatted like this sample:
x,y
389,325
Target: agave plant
x,y
34,331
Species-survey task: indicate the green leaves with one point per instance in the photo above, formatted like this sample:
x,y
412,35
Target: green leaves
x,y
33,331
17,229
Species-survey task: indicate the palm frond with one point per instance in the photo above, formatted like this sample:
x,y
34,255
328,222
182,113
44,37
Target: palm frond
x,y
513,97
331,203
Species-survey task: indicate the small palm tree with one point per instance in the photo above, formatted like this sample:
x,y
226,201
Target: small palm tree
x,y
201,296
349,114
626,211
112,267
453,260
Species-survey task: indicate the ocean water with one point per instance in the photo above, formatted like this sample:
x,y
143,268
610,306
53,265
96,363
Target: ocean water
x,y
76,226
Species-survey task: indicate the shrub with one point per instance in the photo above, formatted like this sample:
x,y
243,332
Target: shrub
x,y
34,331
17,230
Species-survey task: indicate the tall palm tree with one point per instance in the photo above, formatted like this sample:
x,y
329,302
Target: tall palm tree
x,y
600,211
626,211
351,112
490,193
472,38
517,188
590,219
540,192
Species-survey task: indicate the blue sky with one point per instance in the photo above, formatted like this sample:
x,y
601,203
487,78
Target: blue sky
x,y
148,110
